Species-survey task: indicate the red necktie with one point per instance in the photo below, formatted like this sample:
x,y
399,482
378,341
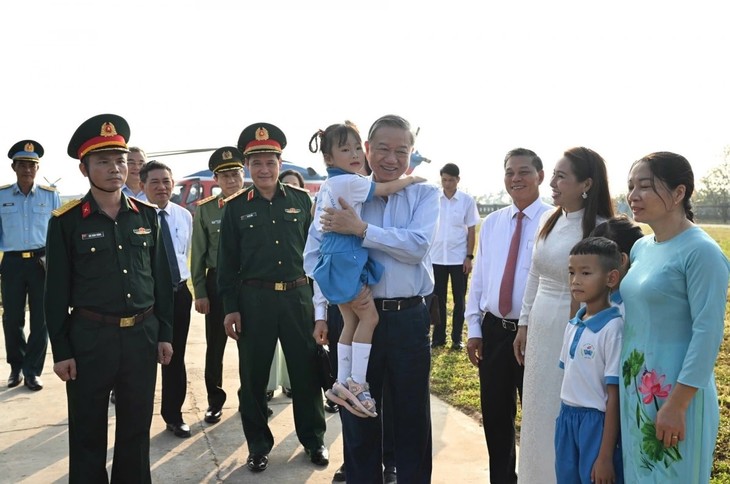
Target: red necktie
x,y
508,278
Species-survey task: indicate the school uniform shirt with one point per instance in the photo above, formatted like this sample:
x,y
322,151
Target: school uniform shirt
x,y
24,218
495,237
456,215
590,357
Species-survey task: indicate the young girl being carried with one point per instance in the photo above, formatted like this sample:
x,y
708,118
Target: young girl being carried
x,y
344,269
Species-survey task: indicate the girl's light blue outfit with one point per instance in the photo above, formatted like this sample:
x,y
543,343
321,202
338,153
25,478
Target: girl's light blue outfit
x,y
674,295
344,266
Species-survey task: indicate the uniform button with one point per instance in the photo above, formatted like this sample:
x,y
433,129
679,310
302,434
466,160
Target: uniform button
x,y
120,247
277,242
273,221
250,226
279,262
218,230
295,220
125,271
144,244
128,296
93,249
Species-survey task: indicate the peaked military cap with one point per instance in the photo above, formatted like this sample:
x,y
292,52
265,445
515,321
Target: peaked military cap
x,y
104,132
26,150
261,138
225,159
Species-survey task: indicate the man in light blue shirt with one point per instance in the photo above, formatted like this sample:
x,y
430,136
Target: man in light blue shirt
x,y
136,159
398,233
25,208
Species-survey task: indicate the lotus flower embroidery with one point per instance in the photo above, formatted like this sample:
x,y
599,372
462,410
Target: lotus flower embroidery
x,y
651,386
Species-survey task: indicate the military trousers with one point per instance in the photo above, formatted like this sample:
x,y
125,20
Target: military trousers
x,y
215,343
268,315
109,356
21,278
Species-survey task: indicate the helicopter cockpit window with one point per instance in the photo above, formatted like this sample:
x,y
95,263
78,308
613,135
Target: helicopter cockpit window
x,y
194,194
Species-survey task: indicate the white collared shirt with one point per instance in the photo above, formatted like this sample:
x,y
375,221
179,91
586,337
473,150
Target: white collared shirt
x,y
494,241
456,215
181,228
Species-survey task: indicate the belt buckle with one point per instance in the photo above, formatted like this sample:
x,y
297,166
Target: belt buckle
x,y
26,255
280,286
126,322
509,325
391,305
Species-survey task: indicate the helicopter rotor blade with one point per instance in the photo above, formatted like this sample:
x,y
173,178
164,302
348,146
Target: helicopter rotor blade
x,y
178,152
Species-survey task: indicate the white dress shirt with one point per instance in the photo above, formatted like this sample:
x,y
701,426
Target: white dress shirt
x,y
494,241
456,215
181,230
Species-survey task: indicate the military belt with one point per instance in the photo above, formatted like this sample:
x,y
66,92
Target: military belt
x,y
27,254
122,322
277,286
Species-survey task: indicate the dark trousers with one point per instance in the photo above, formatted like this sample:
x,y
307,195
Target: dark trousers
x,y
500,379
174,375
107,357
268,315
215,343
334,328
441,275
20,278
400,351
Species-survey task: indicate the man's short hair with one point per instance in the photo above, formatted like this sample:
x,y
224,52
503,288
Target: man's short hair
x,y
152,165
534,159
450,169
607,251
393,121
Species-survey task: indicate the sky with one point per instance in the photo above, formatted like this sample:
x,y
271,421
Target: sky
x,y
624,78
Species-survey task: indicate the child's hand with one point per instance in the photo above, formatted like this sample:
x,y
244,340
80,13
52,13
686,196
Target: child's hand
x,y
602,472
417,179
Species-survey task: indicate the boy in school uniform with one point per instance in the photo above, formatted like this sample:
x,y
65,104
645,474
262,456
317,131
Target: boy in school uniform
x,y
587,429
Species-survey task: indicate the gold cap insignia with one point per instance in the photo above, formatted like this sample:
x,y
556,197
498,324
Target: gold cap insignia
x,y
108,129
262,134
227,155
29,147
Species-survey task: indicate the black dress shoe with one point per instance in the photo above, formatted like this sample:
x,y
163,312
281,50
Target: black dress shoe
x,y
213,415
269,412
319,456
457,346
340,475
14,379
287,391
33,383
390,476
257,462
331,407
269,395
181,430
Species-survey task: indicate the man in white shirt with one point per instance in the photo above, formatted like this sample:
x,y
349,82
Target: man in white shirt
x,y
157,183
136,159
493,308
452,253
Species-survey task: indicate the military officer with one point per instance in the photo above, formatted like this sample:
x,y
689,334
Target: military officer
x,y
107,261
267,296
25,208
227,166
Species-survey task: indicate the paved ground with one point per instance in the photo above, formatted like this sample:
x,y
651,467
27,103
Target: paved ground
x,y
34,434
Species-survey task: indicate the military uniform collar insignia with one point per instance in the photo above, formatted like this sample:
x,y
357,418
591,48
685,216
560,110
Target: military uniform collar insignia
x,y
221,203
85,209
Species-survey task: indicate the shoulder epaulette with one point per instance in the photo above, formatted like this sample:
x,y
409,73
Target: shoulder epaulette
x,y
206,200
48,188
6,186
142,202
239,192
66,207
297,188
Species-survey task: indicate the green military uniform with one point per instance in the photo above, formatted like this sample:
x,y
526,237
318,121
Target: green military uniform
x,y
260,275
114,274
203,262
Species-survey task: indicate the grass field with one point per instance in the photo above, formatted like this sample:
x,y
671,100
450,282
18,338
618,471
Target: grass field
x,y
456,381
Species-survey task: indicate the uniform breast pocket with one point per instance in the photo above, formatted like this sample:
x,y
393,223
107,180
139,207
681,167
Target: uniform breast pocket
x,y
10,216
94,258
295,221
41,214
140,246
253,233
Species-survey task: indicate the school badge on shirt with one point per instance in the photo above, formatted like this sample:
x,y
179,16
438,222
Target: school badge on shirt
x,y
588,351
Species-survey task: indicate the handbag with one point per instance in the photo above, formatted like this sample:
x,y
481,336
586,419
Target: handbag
x,y
324,368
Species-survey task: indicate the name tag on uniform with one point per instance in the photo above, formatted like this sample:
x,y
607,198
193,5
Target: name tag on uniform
x,y
142,231
248,216
215,222
292,210
8,204
92,235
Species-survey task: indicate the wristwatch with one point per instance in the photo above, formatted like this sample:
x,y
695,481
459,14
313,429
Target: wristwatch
x,y
470,256
364,232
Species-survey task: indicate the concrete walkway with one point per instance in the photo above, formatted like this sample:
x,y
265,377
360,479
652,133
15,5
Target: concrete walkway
x,y
34,434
